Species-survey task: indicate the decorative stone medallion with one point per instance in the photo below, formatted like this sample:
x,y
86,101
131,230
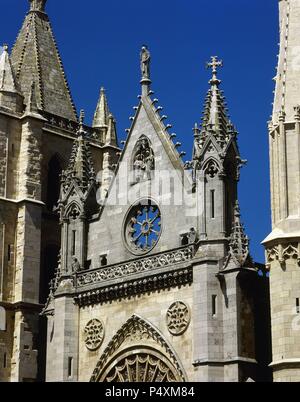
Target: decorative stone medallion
x,y
94,334
178,318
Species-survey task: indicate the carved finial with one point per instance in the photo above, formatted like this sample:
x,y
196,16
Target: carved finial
x,y
5,47
214,64
145,69
37,5
196,130
81,130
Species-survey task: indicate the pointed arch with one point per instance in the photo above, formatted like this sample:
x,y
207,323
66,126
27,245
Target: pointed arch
x,y
211,167
140,340
73,210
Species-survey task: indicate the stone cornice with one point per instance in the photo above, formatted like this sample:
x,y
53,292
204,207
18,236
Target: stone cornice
x,y
22,201
234,360
129,288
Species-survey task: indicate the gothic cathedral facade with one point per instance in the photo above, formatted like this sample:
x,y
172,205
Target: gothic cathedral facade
x,y
126,263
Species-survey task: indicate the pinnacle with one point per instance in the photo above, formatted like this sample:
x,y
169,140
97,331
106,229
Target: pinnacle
x,y
102,111
7,79
215,119
239,242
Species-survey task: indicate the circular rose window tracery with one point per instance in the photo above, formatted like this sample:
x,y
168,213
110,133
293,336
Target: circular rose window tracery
x,y
143,227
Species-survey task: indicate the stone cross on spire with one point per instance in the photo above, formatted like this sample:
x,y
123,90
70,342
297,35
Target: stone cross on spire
x,y
37,5
214,64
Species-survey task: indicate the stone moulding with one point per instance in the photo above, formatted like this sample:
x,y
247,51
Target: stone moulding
x,y
131,288
144,265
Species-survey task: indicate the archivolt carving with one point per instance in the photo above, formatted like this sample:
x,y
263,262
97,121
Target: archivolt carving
x,y
143,365
136,330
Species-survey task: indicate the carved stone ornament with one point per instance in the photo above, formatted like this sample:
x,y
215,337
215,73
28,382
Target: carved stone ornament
x,y
141,266
282,253
143,161
139,362
93,334
143,227
211,169
142,367
178,318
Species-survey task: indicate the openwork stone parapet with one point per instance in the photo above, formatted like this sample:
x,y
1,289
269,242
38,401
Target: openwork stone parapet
x,y
145,265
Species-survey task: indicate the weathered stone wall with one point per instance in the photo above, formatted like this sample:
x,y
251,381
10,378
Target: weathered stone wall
x,y
153,308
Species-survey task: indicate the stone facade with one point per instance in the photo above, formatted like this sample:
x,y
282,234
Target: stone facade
x,y
150,273
38,125
282,245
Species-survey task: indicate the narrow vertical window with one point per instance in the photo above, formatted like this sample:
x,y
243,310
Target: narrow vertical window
x,y
214,305
9,253
13,150
70,366
4,361
73,242
103,259
298,305
212,203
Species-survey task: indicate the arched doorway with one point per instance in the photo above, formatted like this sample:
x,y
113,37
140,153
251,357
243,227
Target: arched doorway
x,y
140,365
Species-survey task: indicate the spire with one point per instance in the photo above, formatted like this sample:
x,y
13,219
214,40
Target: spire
x,y
81,168
239,242
35,57
145,70
102,111
215,119
7,79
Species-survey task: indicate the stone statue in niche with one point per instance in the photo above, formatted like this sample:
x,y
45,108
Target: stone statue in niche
x,y
75,265
144,163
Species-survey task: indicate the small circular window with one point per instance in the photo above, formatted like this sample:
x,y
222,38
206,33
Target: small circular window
x,y
143,227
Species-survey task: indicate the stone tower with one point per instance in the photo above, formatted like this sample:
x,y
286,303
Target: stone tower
x,y
38,125
151,286
283,244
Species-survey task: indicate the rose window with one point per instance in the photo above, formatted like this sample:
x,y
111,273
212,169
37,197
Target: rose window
x,y
143,227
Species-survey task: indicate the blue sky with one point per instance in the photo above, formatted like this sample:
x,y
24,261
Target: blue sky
x,y
99,42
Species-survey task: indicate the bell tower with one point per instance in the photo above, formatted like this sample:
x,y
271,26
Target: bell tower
x,y
283,244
